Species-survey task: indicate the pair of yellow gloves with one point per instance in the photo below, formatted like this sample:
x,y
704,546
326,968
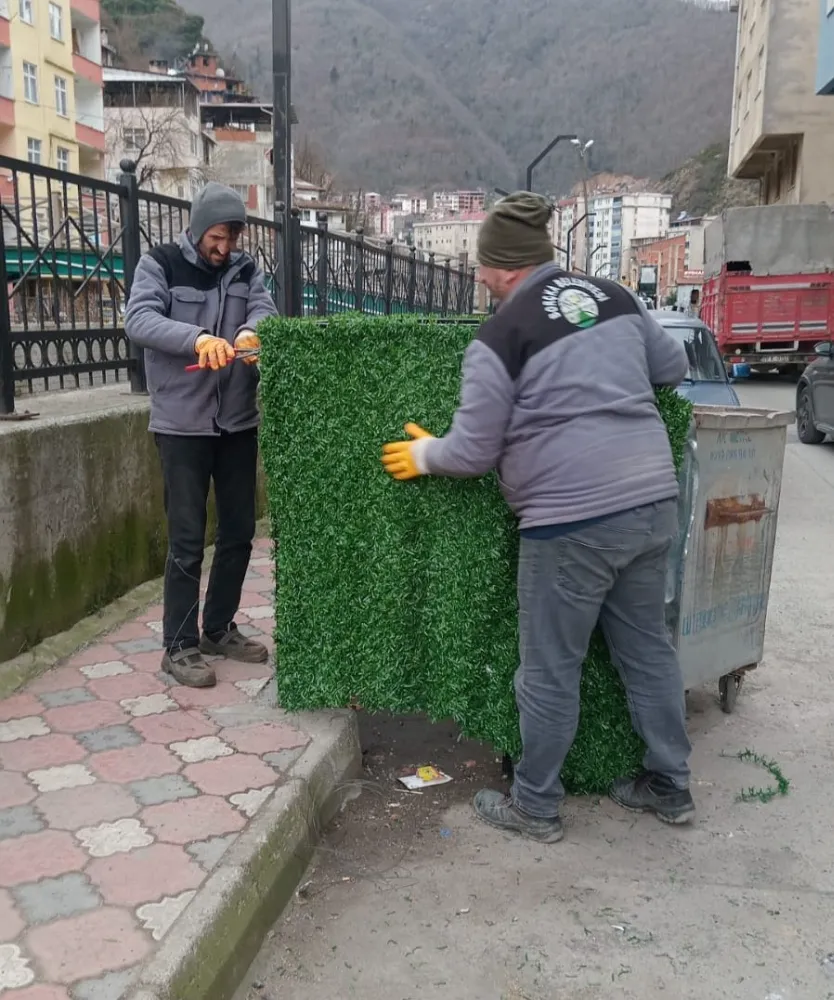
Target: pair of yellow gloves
x,y
215,352
397,457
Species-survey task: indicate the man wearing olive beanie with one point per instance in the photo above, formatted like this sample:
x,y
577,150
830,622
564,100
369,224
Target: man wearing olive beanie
x,y
558,395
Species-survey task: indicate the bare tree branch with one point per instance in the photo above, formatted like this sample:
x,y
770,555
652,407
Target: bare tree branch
x,y
156,139
310,166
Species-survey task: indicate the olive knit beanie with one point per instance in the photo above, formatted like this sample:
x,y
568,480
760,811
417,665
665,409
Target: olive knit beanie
x,y
515,234
216,203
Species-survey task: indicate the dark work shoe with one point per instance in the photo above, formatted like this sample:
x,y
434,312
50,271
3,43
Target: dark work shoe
x,y
500,811
655,793
188,667
234,646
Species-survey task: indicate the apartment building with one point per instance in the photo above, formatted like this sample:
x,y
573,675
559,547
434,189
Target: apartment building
x,y
241,158
451,237
617,220
782,131
569,233
668,255
154,119
410,204
51,108
459,202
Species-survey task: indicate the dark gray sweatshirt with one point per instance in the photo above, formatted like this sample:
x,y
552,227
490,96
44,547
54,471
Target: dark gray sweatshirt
x,y
558,395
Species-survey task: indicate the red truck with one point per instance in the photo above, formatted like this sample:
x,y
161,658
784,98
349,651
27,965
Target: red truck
x,y
769,284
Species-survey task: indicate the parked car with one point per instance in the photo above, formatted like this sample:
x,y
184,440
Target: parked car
x,y
708,382
815,397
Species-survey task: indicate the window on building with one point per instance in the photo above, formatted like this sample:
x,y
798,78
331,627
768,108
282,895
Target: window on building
x,y
30,82
748,86
195,148
56,21
61,101
33,150
62,158
27,11
760,68
135,139
242,190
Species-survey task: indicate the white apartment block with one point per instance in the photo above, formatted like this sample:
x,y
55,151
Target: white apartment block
x,y
409,204
616,220
452,238
447,202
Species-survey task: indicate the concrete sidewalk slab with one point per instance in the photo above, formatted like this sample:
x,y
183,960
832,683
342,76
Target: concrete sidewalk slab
x,y
150,834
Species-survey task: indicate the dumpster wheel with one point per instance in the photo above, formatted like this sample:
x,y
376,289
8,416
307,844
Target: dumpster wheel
x,y
729,687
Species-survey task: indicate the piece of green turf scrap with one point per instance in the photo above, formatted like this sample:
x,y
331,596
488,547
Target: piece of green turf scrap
x,y
401,596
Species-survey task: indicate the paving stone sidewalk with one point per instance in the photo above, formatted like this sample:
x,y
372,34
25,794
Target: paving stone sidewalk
x,y
119,792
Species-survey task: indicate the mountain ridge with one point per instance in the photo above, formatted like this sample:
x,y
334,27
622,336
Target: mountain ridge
x,y
429,94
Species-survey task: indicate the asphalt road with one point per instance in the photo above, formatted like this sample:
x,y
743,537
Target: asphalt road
x,y
411,898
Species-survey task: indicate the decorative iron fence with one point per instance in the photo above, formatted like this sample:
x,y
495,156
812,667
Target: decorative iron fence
x,y
69,246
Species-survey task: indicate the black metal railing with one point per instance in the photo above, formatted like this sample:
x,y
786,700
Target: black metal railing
x,y
69,246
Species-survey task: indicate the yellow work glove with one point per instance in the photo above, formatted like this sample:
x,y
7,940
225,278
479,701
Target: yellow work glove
x,y
398,456
248,340
213,352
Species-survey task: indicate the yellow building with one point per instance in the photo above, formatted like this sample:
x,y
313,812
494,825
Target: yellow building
x,y
51,102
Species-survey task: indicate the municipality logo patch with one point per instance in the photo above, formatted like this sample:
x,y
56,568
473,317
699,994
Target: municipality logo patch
x,y
574,300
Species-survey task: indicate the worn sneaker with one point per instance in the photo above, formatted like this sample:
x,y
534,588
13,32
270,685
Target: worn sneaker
x,y
500,811
234,645
188,667
655,793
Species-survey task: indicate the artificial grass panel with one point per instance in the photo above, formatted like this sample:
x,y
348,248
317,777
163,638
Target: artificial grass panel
x,y
401,596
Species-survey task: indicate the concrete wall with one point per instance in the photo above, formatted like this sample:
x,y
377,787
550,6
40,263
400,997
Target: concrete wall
x,y
825,55
775,239
81,514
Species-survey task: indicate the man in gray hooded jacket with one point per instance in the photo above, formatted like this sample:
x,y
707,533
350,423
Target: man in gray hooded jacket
x,y
202,298
557,394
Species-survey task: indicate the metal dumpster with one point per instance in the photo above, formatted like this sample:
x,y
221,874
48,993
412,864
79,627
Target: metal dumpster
x,y
719,578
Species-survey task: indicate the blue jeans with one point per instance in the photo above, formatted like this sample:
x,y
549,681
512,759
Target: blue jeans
x,y
614,573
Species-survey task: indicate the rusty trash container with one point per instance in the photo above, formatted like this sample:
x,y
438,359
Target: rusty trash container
x,y
719,579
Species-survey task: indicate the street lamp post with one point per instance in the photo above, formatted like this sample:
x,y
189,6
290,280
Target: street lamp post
x,y
582,148
532,166
569,240
282,148
596,250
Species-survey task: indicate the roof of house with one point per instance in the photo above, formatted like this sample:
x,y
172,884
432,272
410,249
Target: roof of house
x,y
113,74
466,217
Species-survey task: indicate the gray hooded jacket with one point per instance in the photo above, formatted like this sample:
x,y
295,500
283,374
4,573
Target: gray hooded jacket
x,y
174,299
558,394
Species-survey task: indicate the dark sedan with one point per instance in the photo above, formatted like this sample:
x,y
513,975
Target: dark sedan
x,y
815,397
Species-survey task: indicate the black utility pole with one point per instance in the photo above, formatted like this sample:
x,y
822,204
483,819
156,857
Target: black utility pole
x,y
542,155
282,147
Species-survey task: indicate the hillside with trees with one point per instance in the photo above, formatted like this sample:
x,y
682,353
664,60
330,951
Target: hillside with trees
x,y
700,185
150,29
423,94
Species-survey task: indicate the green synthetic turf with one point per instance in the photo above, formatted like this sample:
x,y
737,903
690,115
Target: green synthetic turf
x,y
401,596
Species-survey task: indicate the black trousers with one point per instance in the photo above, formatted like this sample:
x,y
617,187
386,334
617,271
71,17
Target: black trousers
x,y
189,464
